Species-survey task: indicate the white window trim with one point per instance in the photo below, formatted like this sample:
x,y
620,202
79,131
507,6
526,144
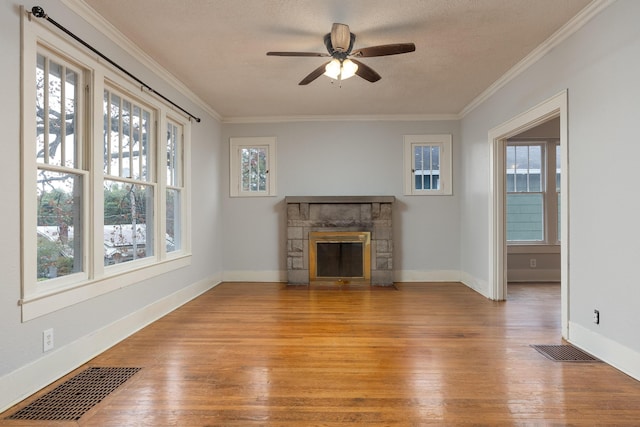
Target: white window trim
x,y
40,299
235,144
446,160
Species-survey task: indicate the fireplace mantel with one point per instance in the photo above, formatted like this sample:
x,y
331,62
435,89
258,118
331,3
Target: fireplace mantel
x,y
339,199
307,214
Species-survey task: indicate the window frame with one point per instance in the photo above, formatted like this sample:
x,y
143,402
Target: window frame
x,y
81,169
150,180
235,172
444,142
182,186
40,298
549,191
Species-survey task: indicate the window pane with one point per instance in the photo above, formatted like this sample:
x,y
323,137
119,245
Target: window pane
x,y
40,109
126,143
128,214
70,153
535,168
112,138
521,167
254,169
137,151
558,167
54,93
535,157
174,156
173,233
525,217
511,168
59,224
426,167
535,181
145,149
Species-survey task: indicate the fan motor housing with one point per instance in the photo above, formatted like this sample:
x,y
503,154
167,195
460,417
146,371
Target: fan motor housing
x,y
335,53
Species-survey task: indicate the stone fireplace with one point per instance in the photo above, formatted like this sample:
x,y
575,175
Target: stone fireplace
x,y
337,218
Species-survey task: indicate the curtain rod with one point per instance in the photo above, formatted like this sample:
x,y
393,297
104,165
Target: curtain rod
x,y
38,12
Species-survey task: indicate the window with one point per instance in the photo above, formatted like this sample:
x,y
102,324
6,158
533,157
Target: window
x,y
427,165
129,187
533,191
252,165
105,196
175,187
61,170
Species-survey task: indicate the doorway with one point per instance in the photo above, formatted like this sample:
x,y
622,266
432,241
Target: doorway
x,y
533,177
498,136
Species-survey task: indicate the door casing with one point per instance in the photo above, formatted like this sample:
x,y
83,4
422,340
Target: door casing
x,y
555,106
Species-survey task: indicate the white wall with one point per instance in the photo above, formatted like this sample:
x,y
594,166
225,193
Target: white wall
x,y
343,158
85,328
599,65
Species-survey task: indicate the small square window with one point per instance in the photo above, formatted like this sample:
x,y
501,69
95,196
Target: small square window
x,y
252,165
427,165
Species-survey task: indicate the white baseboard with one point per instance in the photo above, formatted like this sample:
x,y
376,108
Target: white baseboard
x,y
427,276
480,286
255,276
25,381
399,276
613,353
533,275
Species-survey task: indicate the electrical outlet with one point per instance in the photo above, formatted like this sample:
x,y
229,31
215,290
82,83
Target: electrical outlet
x,y
47,340
596,317
533,263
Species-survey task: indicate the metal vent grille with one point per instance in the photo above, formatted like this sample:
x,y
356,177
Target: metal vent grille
x,y
564,353
73,398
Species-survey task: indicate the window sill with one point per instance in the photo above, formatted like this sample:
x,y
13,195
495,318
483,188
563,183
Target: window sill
x,y
250,195
532,248
41,304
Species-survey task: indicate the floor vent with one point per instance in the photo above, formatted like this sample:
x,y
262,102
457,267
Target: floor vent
x,y
72,399
564,353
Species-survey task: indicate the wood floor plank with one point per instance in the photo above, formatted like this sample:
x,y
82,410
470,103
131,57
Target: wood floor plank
x,y
265,354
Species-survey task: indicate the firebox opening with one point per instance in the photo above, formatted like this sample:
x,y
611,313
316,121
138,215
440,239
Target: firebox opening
x,y
340,256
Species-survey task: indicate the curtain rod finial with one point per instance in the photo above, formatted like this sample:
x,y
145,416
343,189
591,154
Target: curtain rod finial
x,y
38,12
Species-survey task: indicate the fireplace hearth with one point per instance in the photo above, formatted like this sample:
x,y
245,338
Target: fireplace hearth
x,y
356,239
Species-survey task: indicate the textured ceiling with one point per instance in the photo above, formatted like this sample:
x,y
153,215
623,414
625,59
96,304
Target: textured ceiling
x,y
217,49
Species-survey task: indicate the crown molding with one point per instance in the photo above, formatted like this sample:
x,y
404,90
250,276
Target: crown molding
x,y
577,22
87,13
343,118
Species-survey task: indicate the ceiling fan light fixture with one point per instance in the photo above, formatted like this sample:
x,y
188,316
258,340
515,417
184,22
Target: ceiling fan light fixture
x,y
340,70
333,69
349,69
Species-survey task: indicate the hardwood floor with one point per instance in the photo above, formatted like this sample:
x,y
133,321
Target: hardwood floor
x,y
264,354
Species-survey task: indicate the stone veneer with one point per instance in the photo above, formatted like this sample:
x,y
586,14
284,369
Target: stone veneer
x,y
340,213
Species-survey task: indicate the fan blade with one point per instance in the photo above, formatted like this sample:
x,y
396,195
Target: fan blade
x,y
314,74
366,72
296,54
384,50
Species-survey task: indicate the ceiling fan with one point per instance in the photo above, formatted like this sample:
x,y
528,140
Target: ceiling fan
x,y
339,43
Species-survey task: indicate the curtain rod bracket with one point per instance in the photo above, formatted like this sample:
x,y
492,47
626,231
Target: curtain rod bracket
x,y
39,12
